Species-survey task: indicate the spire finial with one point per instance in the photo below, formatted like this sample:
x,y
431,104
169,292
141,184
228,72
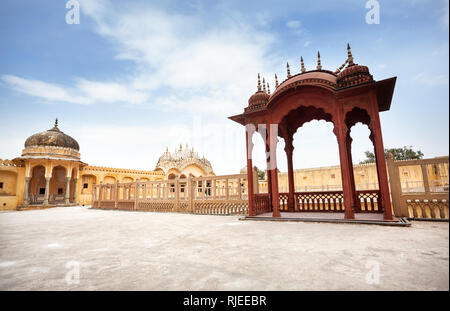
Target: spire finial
x,y
349,55
264,85
268,88
342,66
181,147
276,81
56,122
259,83
303,64
288,70
319,65
167,149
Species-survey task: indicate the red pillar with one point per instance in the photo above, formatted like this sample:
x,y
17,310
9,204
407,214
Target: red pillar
x,y
340,129
248,137
272,162
289,149
352,173
381,167
269,181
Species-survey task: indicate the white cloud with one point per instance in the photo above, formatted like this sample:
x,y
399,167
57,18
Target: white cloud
x,y
48,91
83,92
202,67
296,26
431,79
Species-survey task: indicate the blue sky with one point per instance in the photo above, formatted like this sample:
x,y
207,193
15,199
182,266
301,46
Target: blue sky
x,y
134,77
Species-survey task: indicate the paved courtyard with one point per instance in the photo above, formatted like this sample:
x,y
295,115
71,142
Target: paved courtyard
x,y
77,248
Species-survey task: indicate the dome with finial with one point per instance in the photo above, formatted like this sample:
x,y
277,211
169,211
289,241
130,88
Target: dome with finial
x,y
353,74
53,137
260,98
51,144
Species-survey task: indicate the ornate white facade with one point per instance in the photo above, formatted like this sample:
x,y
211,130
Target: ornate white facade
x,y
183,162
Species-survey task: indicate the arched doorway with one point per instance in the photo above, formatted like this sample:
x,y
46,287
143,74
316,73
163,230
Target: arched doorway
x,y
59,190
36,190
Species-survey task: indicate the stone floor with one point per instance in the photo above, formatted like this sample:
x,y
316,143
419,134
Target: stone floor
x,y
77,248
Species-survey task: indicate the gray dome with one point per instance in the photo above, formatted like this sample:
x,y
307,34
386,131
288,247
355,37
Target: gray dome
x,y
53,137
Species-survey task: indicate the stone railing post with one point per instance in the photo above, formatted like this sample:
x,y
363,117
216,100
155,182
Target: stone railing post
x,y
400,209
75,190
255,181
426,183
25,191
227,190
239,188
191,193
47,190
177,196
136,194
100,195
116,195
67,194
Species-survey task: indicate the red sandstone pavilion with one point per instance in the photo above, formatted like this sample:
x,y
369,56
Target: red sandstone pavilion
x,y
344,97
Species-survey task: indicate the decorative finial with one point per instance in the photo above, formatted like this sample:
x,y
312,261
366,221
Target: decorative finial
x,y
56,122
319,65
342,66
303,64
181,147
276,81
259,83
349,55
264,85
288,70
167,149
268,88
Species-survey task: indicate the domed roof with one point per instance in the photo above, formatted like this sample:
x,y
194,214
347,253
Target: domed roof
x,y
353,75
53,137
321,77
259,98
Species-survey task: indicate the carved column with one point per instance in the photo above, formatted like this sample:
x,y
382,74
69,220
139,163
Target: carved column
x,y
100,194
116,194
75,190
47,190
352,174
67,194
341,132
381,169
25,192
272,168
249,146
289,149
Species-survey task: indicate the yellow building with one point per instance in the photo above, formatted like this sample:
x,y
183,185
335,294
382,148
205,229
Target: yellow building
x,y
329,178
50,173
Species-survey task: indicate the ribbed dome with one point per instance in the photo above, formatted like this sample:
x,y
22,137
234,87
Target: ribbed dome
x,y
353,75
53,137
259,98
